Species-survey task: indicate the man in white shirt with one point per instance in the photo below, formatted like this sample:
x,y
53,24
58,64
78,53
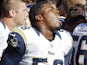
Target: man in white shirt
x,y
12,13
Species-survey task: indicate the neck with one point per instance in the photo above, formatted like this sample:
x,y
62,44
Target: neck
x,y
48,34
9,23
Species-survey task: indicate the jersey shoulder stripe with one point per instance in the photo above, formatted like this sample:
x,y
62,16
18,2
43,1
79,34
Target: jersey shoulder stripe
x,y
19,31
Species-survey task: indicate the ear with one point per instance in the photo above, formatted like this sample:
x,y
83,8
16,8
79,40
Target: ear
x,y
12,13
39,17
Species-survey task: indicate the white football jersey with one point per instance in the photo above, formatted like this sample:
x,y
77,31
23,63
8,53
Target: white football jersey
x,y
4,31
80,45
40,51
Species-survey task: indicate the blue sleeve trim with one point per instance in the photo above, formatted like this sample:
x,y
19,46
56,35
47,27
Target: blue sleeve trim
x,y
13,55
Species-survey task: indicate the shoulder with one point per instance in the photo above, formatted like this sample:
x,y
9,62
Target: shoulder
x,y
80,29
22,29
65,36
18,35
4,31
64,32
25,30
66,39
2,26
24,33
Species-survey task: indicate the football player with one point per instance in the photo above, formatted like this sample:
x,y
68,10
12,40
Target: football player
x,y
79,54
76,24
12,13
45,41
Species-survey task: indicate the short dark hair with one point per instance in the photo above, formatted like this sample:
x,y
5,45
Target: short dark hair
x,y
36,9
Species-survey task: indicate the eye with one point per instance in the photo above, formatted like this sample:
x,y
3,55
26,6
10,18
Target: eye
x,y
56,12
48,10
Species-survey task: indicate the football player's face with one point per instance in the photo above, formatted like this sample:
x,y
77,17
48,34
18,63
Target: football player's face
x,y
21,14
51,16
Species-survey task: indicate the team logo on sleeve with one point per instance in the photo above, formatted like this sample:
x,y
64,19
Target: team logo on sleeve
x,y
12,40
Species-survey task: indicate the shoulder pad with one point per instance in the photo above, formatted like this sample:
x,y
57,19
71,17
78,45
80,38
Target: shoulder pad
x,y
20,32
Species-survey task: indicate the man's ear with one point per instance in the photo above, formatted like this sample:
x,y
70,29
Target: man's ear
x,y
39,17
11,13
